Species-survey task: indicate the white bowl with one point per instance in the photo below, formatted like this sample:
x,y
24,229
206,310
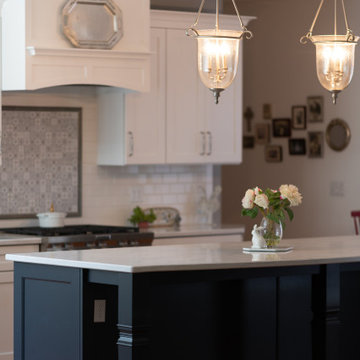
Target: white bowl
x,y
51,219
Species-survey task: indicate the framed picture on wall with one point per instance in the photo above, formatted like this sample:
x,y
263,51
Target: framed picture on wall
x,y
297,146
262,133
267,113
248,142
298,118
281,127
273,153
316,144
315,108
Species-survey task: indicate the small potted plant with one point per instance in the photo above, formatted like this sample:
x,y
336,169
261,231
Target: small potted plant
x,y
141,218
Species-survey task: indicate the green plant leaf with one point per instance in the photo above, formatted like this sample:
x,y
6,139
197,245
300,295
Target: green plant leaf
x,y
250,212
273,217
290,213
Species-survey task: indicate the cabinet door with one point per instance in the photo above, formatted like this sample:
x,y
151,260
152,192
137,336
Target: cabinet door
x,y
185,121
224,126
6,314
224,123
145,112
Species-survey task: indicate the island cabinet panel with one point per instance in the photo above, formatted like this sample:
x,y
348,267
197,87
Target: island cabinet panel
x,y
213,315
274,313
48,313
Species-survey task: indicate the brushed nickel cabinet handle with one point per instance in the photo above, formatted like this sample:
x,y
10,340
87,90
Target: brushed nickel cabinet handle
x,y
209,135
131,143
203,143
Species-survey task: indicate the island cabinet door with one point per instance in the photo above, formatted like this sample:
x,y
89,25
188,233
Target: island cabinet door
x,y
48,313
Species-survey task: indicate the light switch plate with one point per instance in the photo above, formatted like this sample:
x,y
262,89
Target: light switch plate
x,y
99,311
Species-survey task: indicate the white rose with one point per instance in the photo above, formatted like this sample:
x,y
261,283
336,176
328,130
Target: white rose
x,y
257,190
248,199
262,201
291,192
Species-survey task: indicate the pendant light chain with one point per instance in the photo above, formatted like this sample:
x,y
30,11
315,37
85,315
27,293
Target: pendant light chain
x,y
194,25
349,33
335,17
305,38
193,32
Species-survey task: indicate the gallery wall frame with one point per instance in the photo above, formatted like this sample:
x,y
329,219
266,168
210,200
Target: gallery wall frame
x,y
298,117
281,127
273,153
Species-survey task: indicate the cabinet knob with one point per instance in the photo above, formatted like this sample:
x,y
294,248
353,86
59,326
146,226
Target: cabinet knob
x,y
131,143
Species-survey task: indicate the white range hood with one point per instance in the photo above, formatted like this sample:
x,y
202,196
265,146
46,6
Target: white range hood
x,y
37,54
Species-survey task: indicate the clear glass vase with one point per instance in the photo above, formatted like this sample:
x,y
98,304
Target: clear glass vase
x,y
272,232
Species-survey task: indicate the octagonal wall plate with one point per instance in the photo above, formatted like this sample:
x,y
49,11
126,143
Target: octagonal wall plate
x,y
92,24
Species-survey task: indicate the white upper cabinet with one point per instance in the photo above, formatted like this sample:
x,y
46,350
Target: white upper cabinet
x,y
198,130
178,122
132,125
185,132
36,53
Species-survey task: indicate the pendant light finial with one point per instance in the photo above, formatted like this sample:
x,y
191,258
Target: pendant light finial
x,y
216,93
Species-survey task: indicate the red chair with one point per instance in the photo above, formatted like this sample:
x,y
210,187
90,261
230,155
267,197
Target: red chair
x,y
356,216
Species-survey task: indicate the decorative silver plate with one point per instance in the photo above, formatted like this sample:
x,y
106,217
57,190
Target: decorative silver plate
x,y
92,24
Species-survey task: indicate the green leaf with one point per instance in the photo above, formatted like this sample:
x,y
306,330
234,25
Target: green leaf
x,y
290,213
273,217
250,212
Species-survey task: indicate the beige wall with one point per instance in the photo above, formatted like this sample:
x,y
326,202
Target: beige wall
x,y
280,71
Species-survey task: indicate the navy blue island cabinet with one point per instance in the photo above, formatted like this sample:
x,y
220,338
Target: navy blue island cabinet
x,y
217,303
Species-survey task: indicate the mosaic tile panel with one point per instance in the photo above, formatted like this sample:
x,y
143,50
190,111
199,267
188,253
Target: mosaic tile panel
x,y
41,161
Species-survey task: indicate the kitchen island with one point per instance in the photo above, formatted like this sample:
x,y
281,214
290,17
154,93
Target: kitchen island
x,y
202,301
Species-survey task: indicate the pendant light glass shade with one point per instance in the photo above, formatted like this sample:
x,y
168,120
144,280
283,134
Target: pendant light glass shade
x,y
218,57
218,52
334,61
335,55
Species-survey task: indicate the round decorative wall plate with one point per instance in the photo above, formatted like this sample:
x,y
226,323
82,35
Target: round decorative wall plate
x,y
92,24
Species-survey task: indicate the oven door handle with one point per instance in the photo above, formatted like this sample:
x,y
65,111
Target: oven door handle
x,y
103,237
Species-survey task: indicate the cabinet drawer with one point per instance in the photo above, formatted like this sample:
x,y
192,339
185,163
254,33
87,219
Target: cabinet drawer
x,y
6,265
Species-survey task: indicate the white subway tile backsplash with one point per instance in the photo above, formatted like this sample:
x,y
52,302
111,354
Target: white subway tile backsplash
x,y
109,193
177,188
153,200
169,199
170,178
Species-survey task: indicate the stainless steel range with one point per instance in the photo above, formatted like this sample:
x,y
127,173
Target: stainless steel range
x,y
76,237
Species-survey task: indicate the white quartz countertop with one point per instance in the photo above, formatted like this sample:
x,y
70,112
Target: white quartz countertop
x,y
14,239
196,230
307,251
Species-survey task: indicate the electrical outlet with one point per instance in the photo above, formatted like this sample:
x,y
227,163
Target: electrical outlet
x,y
99,311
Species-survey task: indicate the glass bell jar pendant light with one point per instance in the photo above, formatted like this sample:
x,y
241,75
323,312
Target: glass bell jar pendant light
x,y
334,55
218,52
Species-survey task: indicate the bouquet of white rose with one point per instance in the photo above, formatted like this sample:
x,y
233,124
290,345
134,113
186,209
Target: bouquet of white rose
x,y
272,204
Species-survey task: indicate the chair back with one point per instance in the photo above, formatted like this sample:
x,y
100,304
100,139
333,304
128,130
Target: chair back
x,y
356,216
